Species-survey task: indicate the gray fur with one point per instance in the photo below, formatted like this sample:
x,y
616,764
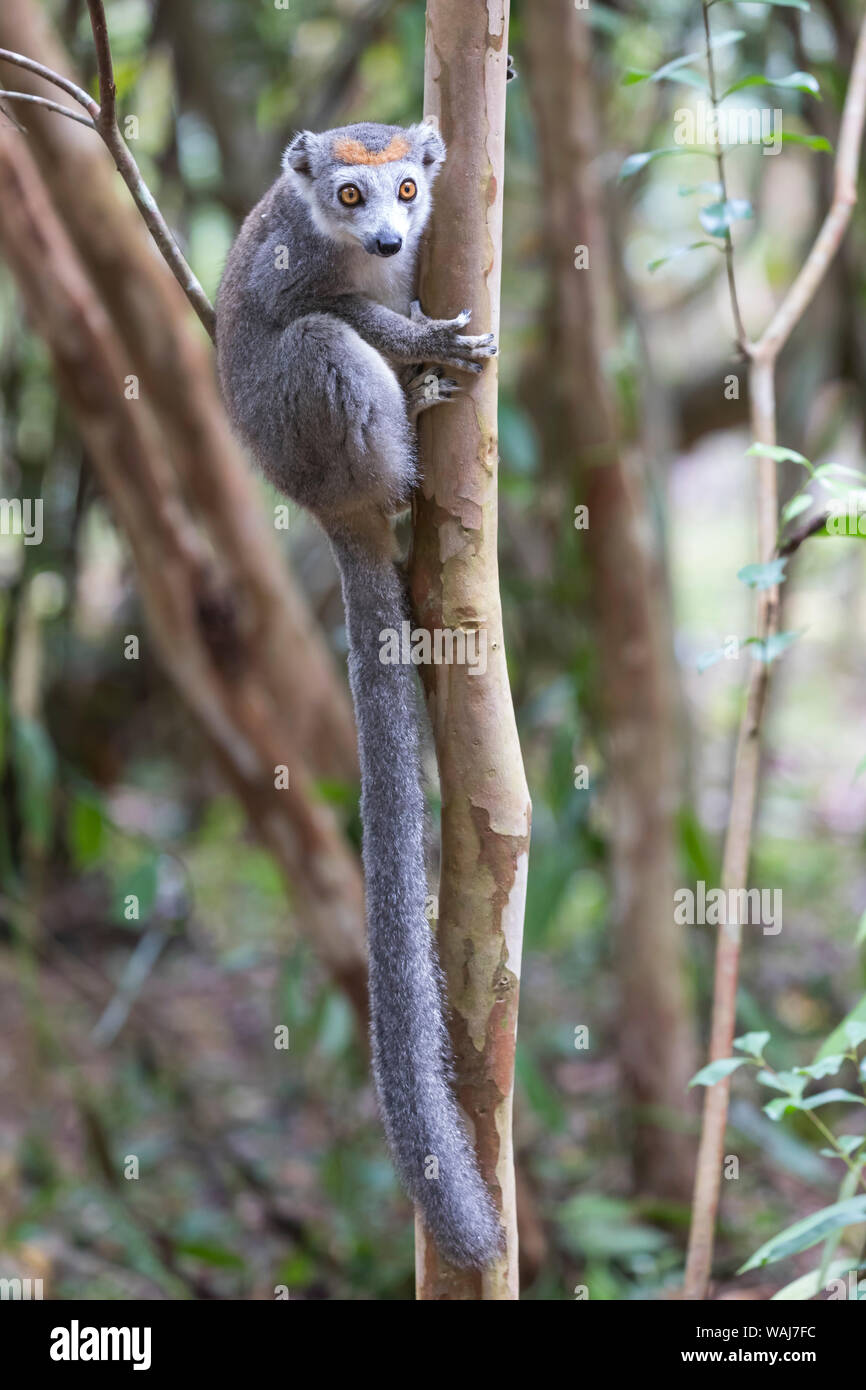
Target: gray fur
x,y
322,352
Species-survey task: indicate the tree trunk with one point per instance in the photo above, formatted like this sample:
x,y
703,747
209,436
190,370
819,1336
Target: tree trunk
x,y
635,695
485,801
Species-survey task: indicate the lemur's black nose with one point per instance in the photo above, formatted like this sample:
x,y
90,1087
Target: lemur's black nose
x,y
388,246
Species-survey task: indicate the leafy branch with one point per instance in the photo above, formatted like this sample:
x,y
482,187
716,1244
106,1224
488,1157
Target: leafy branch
x,y
828,1223
723,186
762,355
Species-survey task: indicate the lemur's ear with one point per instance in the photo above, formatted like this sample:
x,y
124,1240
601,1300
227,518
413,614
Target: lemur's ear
x,y
429,145
297,154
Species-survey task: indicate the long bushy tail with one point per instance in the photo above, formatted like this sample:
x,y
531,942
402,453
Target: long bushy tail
x,y
411,1054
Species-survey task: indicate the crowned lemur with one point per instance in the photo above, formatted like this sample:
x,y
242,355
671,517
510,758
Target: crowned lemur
x,y
322,352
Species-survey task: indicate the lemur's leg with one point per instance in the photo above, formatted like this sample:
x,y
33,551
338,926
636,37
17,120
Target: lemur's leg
x,y
428,388
349,442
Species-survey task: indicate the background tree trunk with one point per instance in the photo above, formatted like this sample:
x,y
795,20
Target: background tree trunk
x,y
455,583
576,413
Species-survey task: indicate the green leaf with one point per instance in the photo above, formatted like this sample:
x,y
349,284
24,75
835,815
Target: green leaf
x,y
847,1188
676,65
765,576
831,485
86,831
687,76
776,4
768,651
210,1254
35,763
848,1143
794,82
752,1043
837,470
636,162
781,1106
829,1097
860,938
718,218
717,1071
787,1081
653,266
797,505
808,1285
818,143
777,454
808,1232
828,1066
839,1039
855,1032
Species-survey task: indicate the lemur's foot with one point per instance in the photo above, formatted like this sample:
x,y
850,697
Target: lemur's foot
x,y
428,388
446,344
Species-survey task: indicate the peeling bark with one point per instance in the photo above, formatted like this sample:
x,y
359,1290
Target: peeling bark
x,y
455,584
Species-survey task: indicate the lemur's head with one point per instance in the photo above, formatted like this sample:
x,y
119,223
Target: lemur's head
x,y
368,184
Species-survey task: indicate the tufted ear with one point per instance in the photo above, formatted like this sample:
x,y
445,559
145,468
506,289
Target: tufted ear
x,y
428,145
297,154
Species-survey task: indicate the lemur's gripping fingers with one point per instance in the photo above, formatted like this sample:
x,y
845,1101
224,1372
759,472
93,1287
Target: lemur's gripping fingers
x,y
468,353
427,389
443,341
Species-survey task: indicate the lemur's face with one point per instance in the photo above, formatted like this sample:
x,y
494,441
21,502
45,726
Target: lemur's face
x,y
368,184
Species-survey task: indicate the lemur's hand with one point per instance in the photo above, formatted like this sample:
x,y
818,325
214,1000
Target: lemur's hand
x,y
443,341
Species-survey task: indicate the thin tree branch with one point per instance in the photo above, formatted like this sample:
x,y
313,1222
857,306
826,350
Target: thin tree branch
x,y
742,336
795,539
836,222
747,763
48,105
55,78
106,124
104,63
103,119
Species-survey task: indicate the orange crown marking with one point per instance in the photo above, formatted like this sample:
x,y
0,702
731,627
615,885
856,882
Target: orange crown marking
x,y
353,152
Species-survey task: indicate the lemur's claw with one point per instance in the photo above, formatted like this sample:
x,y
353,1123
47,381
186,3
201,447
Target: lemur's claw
x,y
484,344
464,365
471,350
448,388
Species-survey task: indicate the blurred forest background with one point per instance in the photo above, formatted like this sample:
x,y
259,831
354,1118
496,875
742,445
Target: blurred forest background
x,y
154,1036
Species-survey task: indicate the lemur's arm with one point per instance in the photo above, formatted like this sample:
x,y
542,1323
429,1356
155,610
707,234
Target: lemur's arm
x,y
413,339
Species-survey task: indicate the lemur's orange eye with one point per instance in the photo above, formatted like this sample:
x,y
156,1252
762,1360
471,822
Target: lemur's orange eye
x,y
350,196
408,190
